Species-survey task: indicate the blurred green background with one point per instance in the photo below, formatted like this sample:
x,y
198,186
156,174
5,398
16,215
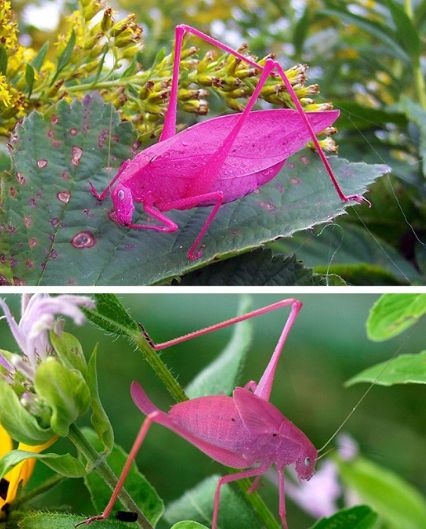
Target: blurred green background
x,y
328,345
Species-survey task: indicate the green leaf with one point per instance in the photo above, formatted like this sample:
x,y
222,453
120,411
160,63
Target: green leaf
x,y
69,351
65,391
139,488
258,267
350,252
375,29
301,30
99,419
60,234
18,422
396,501
359,517
404,369
38,60
406,33
65,56
222,375
64,464
3,60
394,313
197,504
187,524
52,520
111,315
29,78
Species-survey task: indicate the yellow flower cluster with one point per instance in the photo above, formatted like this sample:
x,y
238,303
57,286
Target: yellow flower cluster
x,y
97,52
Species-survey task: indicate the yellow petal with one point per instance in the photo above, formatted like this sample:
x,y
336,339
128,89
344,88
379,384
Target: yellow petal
x,y
6,444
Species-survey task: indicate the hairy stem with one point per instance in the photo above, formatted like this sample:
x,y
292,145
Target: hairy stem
x,y
104,471
162,371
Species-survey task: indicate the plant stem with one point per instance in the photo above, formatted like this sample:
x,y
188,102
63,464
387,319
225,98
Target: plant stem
x,y
105,472
160,368
259,506
38,491
417,70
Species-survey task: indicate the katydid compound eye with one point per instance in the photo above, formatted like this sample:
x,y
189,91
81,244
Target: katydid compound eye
x,y
307,461
121,194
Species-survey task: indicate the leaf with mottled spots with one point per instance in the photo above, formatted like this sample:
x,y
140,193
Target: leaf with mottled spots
x,y
54,232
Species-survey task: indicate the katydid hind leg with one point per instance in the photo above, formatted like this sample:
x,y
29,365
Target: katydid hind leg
x,y
104,194
253,472
346,198
167,226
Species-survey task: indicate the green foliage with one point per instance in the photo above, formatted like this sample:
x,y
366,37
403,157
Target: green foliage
x,y
360,517
222,375
139,488
393,314
396,501
197,504
69,351
186,524
52,520
65,391
63,235
20,424
64,464
404,369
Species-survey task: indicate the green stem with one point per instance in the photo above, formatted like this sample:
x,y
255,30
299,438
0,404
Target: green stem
x,y
259,506
104,471
38,491
160,368
418,75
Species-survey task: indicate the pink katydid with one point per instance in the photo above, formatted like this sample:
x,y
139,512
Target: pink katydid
x,y
218,160
244,431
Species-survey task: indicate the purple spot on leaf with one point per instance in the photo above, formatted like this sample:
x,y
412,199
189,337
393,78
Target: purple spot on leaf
x,y
41,164
304,160
84,239
290,165
20,179
12,191
102,138
65,175
18,282
266,205
11,229
63,196
28,221
76,154
32,243
55,222
3,281
29,264
295,181
53,254
2,259
88,212
73,132
54,119
50,133
280,187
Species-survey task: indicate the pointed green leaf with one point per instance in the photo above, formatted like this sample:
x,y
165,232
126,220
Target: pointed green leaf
x,y
60,234
3,60
393,314
404,369
221,376
65,56
110,315
99,419
187,524
64,464
38,60
359,517
406,33
399,504
139,488
65,391
69,351
20,424
29,78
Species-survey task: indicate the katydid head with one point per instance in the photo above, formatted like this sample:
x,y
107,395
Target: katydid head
x,y
305,465
122,200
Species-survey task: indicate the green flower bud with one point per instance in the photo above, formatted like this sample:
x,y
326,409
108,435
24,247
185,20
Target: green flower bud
x,y
65,391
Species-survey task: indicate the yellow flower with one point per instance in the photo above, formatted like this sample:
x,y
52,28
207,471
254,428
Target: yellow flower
x,y
5,96
20,474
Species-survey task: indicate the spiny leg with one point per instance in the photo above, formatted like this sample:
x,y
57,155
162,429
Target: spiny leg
x,y
228,479
168,225
263,389
132,455
281,489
